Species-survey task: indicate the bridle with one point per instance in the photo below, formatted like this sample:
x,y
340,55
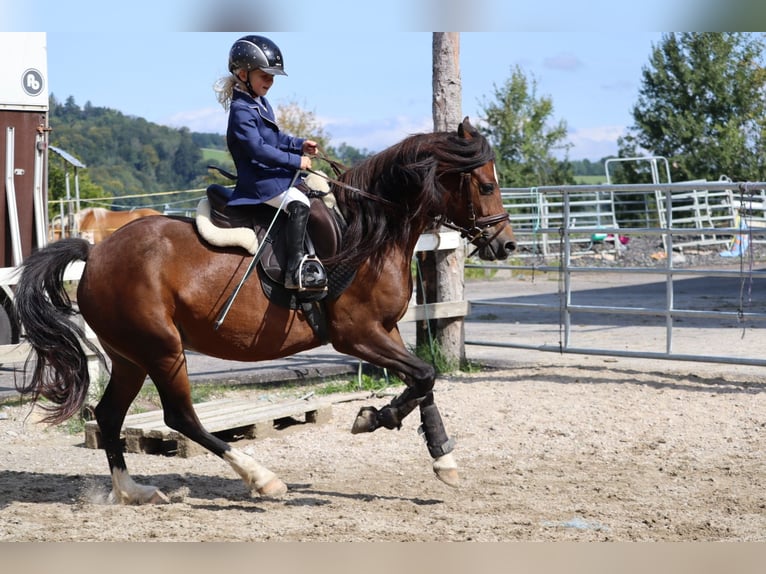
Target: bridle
x,y
477,225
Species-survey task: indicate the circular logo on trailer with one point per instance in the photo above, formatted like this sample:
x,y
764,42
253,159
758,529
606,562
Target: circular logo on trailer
x,y
32,82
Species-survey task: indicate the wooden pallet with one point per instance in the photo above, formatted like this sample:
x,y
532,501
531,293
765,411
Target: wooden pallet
x,y
229,419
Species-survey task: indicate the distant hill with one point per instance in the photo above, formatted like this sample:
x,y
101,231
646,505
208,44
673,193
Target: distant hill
x,y
126,155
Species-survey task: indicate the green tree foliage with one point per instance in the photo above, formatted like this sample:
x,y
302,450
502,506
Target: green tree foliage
x,y
519,126
299,122
701,105
349,155
588,167
58,170
124,155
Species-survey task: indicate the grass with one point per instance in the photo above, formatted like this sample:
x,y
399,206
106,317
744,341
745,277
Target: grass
x,y
215,155
479,273
365,382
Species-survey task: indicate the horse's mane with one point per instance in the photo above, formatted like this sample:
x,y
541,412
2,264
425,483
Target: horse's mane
x,y
408,175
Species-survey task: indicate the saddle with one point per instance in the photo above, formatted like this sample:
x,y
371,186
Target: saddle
x,y
247,229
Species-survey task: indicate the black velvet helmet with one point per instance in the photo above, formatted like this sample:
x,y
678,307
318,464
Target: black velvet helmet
x,y
256,53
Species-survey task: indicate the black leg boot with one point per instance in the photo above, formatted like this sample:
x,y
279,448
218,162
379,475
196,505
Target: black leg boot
x,y
304,271
296,231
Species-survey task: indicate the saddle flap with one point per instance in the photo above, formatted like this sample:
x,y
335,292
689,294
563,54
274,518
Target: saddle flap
x,y
324,229
323,239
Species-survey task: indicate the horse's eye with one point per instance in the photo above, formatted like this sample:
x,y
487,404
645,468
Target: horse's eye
x,y
487,188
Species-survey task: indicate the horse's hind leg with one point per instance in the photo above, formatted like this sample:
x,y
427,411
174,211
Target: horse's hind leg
x,y
124,384
171,379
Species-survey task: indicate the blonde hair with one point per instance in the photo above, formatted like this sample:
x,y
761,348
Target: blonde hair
x,y
224,89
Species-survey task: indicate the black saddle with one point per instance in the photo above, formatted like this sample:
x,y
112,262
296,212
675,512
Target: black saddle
x,y
323,238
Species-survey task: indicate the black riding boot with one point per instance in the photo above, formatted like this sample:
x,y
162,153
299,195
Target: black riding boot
x,y
310,275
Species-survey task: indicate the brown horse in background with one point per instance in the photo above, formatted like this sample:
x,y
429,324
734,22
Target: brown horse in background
x,y
155,288
97,223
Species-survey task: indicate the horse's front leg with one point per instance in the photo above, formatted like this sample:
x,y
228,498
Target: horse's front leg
x,y
389,352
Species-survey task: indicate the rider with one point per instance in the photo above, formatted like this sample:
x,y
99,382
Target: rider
x,y
267,159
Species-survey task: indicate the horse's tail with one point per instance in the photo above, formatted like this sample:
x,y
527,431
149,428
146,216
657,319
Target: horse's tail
x,y
44,310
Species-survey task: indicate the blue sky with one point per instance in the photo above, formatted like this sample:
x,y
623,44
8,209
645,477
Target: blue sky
x,y
364,69
369,89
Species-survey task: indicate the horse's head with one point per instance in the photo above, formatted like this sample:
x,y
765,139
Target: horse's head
x,y
476,209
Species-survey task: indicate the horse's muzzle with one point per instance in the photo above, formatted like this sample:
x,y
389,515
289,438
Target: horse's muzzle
x,y
498,247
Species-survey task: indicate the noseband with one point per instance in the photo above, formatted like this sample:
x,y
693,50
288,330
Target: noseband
x,y
475,231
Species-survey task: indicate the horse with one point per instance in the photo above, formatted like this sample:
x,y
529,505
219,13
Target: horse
x,y
154,289
98,223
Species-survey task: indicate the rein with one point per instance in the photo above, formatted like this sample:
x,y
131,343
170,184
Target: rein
x,y
381,200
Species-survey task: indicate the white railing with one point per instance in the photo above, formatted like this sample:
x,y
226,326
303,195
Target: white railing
x,y
562,263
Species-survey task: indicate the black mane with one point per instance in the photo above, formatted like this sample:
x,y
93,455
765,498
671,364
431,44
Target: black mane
x,y
407,174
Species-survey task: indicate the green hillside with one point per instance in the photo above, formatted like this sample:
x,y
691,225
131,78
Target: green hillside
x,y
126,155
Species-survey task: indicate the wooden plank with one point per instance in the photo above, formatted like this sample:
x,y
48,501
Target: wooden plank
x,y
219,416
440,241
147,432
443,310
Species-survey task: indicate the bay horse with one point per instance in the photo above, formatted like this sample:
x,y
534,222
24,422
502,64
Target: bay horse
x,y
155,288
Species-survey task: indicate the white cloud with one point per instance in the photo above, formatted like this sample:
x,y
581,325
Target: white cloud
x,y
374,135
204,120
595,142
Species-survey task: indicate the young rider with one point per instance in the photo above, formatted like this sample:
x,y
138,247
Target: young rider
x,y
267,159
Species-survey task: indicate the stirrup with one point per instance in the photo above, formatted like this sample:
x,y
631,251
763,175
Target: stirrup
x,y
310,275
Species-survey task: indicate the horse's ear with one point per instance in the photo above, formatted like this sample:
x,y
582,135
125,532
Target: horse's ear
x,y
465,129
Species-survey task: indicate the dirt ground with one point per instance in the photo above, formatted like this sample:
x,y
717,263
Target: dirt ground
x,y
595,451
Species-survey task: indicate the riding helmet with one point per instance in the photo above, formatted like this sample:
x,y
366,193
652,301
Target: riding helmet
x,y
256,53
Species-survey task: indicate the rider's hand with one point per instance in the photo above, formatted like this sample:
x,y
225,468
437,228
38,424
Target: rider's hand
x,y
305,162
310,147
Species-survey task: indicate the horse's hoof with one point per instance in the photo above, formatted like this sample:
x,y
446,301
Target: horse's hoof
x,y
142,495
275,488
448,476
366,420
158,497
445,469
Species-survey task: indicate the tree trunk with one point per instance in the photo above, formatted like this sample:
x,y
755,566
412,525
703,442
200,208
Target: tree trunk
x,y
441,272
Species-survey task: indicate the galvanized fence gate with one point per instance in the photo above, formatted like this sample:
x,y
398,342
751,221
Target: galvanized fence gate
x,y
556,225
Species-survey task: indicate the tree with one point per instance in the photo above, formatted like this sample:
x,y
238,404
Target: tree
x,y
348,155
519,126
187,159
297,121
57,172
440,273
701,105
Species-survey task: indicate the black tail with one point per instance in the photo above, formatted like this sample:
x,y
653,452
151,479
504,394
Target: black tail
x,y
45,311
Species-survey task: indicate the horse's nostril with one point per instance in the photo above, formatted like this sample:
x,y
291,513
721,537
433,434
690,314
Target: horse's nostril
x,y
510,246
